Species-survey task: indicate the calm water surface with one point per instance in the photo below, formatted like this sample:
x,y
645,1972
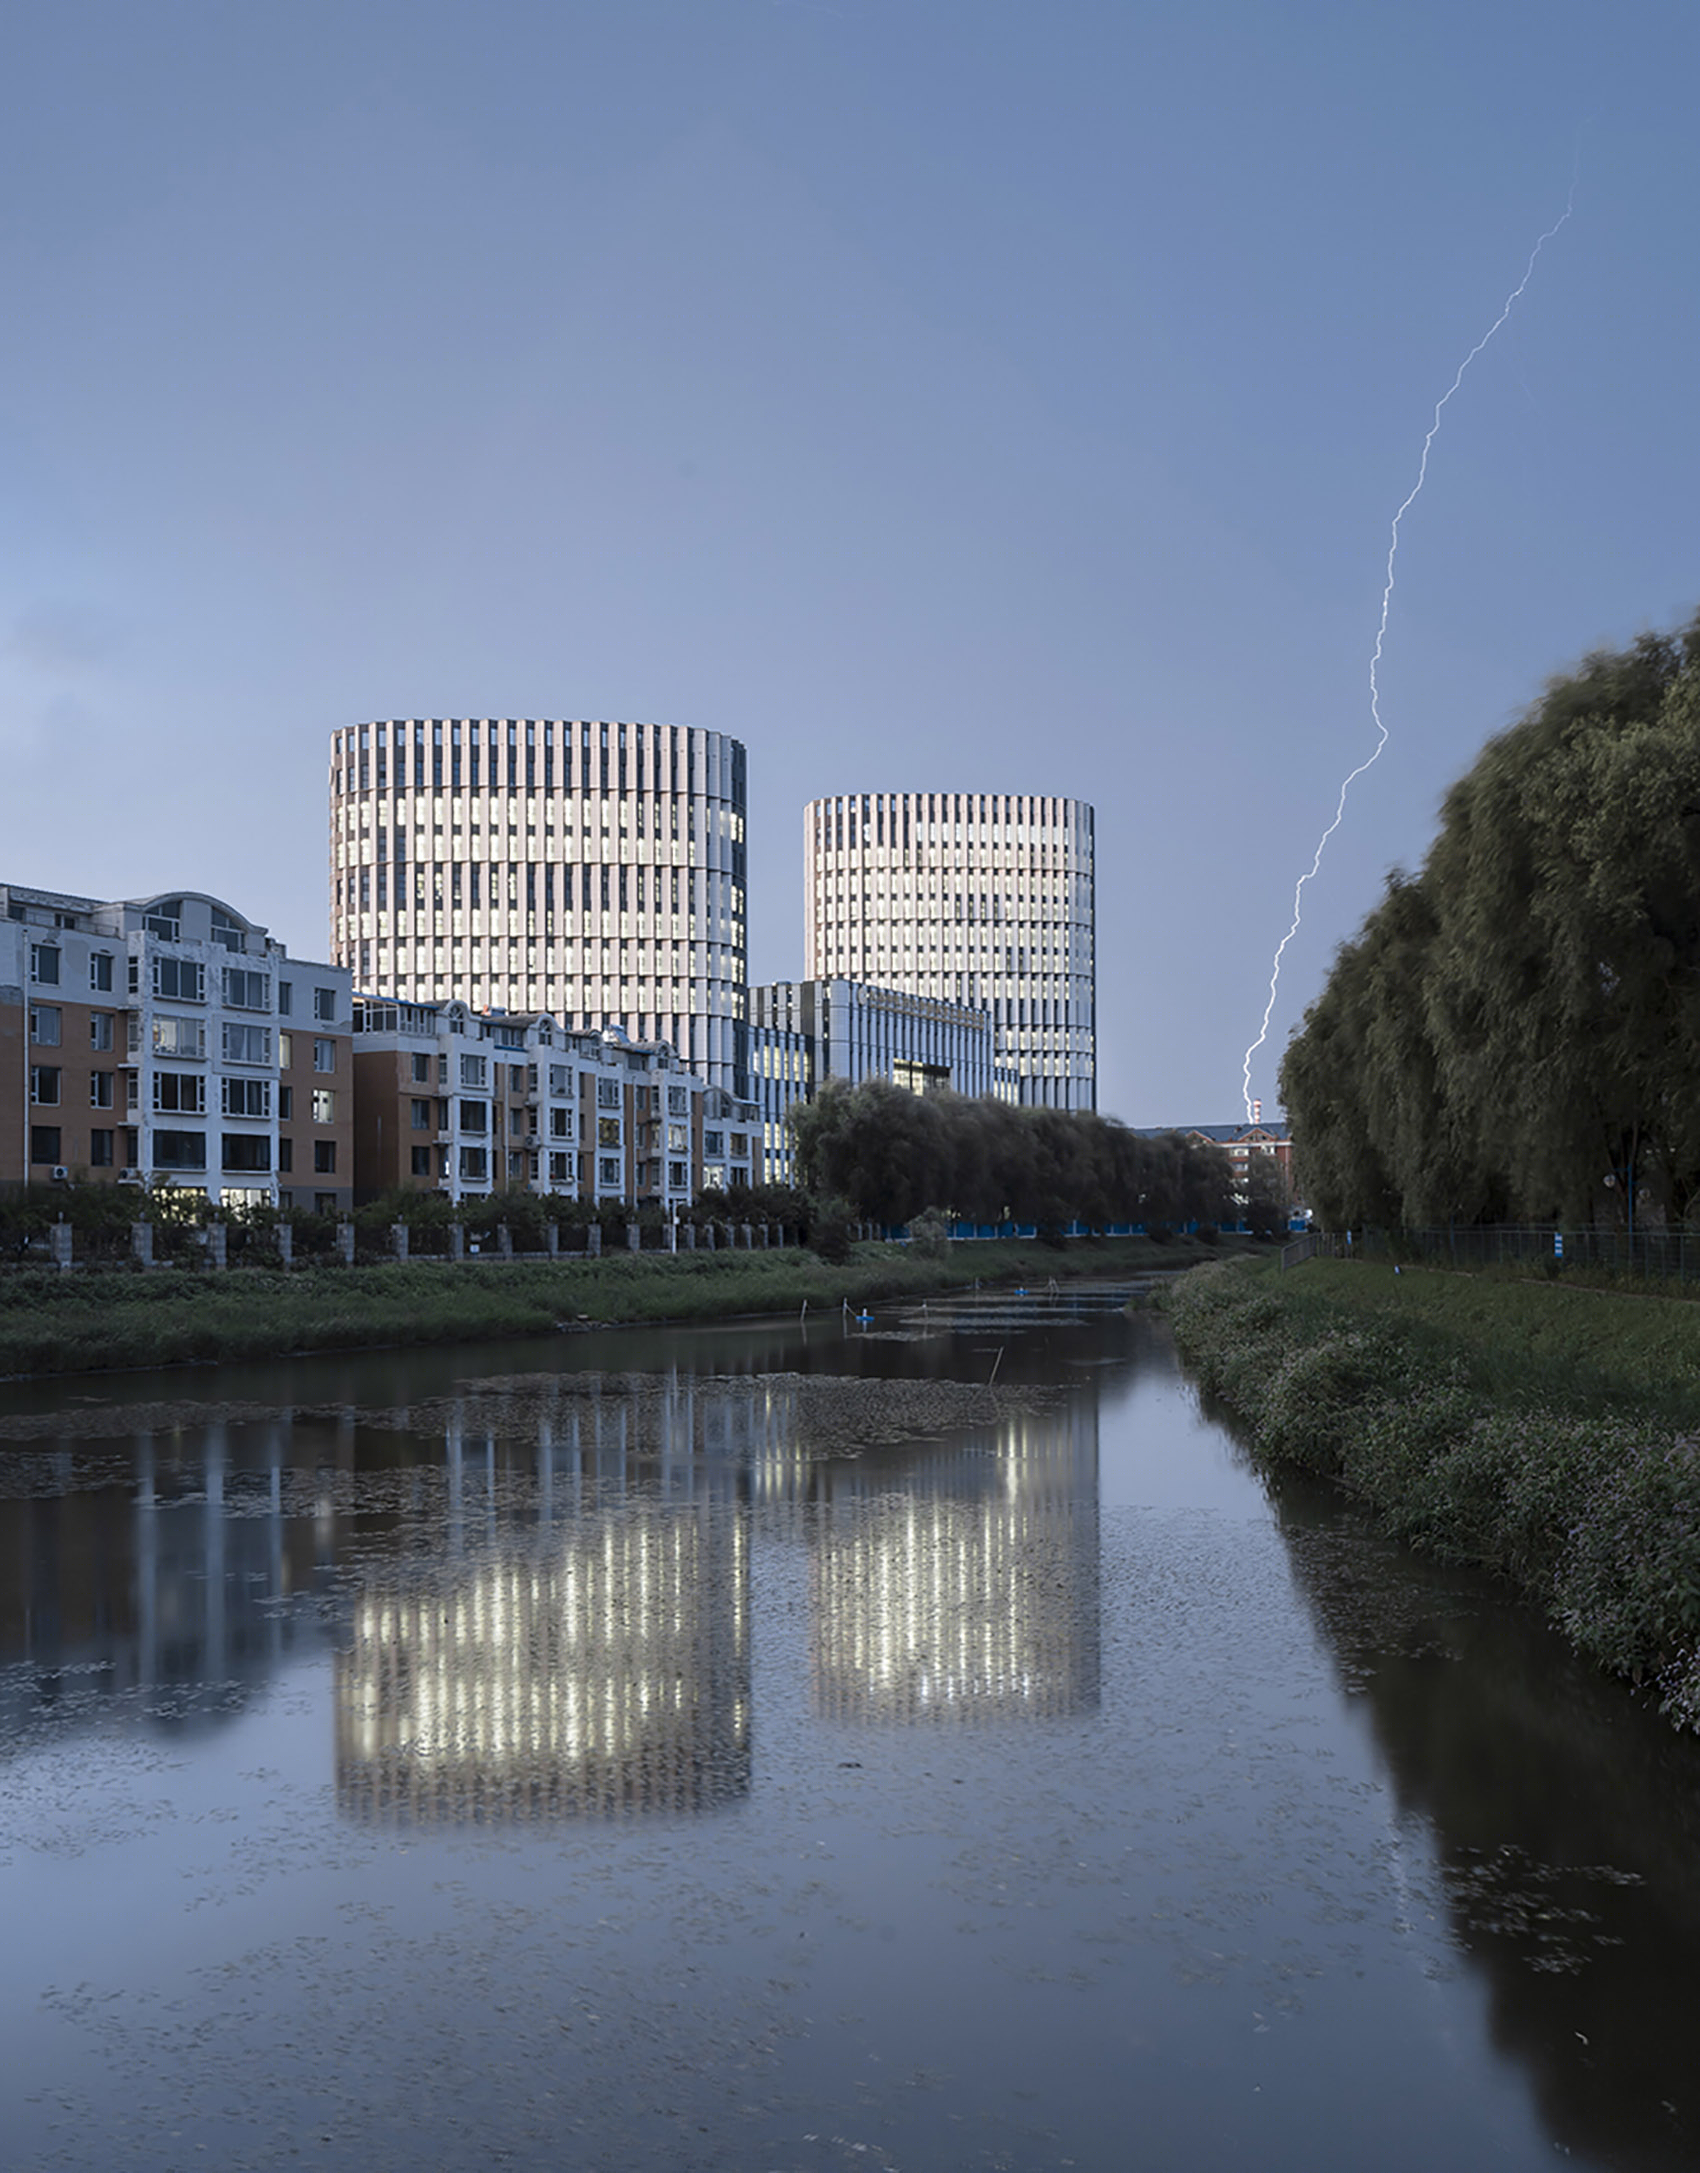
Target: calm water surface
x,y
771,1749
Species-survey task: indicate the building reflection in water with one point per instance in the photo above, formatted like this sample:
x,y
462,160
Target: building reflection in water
x,y
573,1647
962,1583
174,1585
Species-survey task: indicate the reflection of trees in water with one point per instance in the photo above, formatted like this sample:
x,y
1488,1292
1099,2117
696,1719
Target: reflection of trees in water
x,y
961,1584
1566,1823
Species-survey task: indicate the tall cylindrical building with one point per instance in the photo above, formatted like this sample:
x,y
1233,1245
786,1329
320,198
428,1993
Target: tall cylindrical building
x,y
974,898
594,871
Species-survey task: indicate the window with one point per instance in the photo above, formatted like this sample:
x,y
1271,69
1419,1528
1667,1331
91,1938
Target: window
x,y
607,1093
182,980
607,1131
420,1115
324,1055
285,1051
676,1101
324,1157
44,1025
245,991
100,1029
247,1098
247,1151
324,1105
678,1138
100,969
100,1089
247,1044
44,1143
180,1092
714,1143
180,1150
324,1203
179,1037
560,1124
474,1164
285,1103
285,998
422,1162
100,1150
560,1171
421,1071
474,1071
740,1146
676,1177
44,964
285,1155
324,1003
608,1171
44,1084
475,1116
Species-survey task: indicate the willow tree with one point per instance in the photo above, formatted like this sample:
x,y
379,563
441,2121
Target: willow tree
x,y
1524,1020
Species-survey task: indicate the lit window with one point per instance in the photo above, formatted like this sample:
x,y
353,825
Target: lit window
x,y
324,1105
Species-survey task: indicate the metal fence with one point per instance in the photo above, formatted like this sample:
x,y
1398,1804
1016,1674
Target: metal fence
x,y
1668,1255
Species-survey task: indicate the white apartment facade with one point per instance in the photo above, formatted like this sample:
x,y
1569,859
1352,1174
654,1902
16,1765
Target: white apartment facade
x,y
170,1040
594,871
981,900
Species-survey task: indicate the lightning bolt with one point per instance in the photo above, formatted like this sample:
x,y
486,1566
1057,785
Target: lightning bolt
x,y
1382,735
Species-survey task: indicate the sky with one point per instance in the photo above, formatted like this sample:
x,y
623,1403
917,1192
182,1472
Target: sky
x,y
994,395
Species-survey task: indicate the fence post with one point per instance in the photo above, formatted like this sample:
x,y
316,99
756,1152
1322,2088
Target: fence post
x,y
59,1245
504,1241
218,1245
457,1241
285,1234
398,1239
552,1238
141,1242
634,1237
345,1243
593,1241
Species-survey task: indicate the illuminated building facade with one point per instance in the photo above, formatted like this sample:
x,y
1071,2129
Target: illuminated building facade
x,y
803,1033
975,899
593,871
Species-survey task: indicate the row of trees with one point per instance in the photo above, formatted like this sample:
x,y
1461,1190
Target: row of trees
x,y
1515,1032
889,1154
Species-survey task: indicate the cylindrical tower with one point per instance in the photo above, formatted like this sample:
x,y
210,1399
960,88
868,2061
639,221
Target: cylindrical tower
x,y
973,898
594,871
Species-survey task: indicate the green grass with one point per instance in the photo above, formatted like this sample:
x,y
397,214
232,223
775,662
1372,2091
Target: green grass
x,y
1531,1428
94,1321
1523,1338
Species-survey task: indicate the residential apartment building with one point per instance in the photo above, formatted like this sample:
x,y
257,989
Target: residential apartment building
x,y
467,1103
170,1040
591,871
973,899
803,1033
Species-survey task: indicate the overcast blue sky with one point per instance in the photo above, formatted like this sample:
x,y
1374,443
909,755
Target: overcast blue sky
x,y
937,394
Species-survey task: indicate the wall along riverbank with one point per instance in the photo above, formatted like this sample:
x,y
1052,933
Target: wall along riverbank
x,y
1542,1432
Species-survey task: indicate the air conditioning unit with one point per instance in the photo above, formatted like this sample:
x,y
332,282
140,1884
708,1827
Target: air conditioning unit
x,y
59,1173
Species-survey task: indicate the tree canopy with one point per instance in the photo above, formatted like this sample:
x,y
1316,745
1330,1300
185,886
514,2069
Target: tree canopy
x,y
1521,1021
890,1154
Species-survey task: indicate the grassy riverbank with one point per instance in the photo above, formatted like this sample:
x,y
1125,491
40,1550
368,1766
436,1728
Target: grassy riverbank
x,y
96,1321
1543,1432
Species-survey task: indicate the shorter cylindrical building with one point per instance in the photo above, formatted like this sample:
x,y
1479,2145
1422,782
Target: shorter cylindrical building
x,y
969,898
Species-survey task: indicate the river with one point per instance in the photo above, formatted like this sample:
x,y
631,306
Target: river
x,y
913,1743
